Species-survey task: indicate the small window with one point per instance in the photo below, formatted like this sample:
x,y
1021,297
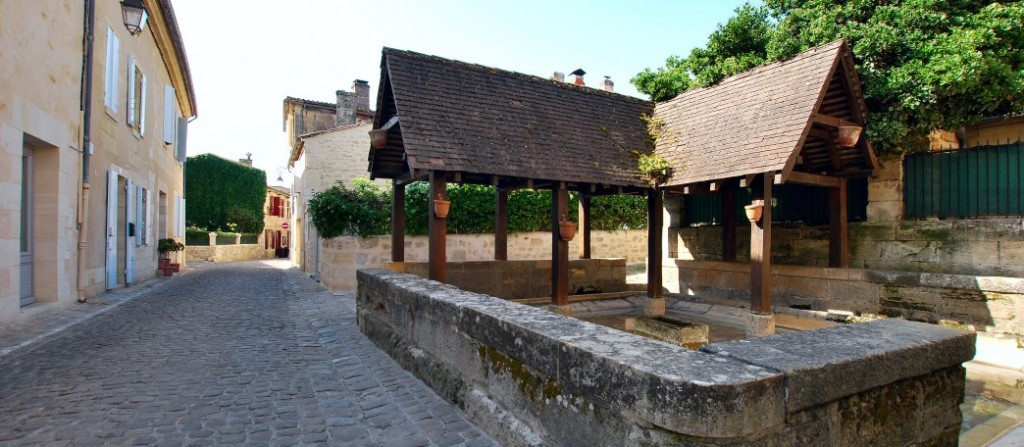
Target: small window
x,y
136,98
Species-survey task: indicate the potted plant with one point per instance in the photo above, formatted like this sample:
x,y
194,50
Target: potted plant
x,y
754,210
566,229
165,247
378,138
441,206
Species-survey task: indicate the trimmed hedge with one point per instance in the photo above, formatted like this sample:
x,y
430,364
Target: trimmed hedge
x,y
222,193
365,210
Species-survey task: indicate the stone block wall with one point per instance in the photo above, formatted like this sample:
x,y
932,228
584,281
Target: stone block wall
x,y
526,279
990,247
227,253
341,257
983,303
532,377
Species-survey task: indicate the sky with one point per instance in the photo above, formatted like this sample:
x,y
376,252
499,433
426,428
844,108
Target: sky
x,y
246,56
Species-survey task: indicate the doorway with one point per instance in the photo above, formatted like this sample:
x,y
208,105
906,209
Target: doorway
x,y
27,252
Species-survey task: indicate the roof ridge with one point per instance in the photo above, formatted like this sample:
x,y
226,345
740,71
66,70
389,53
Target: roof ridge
x,y
528,77
309,101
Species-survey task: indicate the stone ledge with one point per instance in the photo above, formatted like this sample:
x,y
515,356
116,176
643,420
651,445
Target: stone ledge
x,y
570,371
826,364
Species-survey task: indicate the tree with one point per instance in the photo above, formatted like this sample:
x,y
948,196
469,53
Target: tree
x,y
221,192
924,64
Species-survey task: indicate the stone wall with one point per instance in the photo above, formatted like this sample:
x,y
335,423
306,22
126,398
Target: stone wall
x,y
991,247
227,253
532,377
526,279
341,257
983,303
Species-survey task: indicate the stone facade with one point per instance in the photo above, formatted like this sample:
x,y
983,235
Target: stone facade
x,y
277,219
133,155
227,253
532,377
341,257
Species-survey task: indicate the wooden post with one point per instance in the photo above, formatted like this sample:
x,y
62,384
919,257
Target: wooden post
x,y
761,248
729,224
654,255
559,248
501,225
397,222
585,224
437,230
838,244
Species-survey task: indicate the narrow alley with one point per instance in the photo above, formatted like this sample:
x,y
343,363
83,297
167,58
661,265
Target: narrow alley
x,y
237,354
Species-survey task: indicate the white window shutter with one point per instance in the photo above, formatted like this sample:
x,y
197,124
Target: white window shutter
x,y
131,91
142,105
169,115
149,217
113,51
138,215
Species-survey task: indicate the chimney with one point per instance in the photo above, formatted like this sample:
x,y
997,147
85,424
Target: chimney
x,y
362,89
246,161
558,76
345,112
579,76
608,85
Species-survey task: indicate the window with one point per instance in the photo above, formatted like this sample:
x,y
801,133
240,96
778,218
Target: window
x,y
136,98
170,118
110,81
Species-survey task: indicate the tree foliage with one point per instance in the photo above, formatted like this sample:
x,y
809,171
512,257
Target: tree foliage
x,y
924,64
365,210
221,193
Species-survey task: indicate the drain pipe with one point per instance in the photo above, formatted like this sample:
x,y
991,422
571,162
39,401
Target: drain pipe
x,y
83,210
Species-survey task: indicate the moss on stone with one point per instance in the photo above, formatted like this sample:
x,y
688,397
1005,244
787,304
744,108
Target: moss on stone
x,y
528,383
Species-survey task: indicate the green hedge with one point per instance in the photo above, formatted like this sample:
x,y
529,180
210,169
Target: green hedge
x,y
196,236
365,210
222,194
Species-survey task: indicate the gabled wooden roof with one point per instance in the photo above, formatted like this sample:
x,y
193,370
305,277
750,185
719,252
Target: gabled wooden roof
x,y
776,118
480,121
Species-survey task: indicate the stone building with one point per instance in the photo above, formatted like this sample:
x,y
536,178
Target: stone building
x,y
277,215
328,144
92,158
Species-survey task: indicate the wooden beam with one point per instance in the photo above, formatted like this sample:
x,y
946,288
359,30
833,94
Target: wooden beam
x,y
411,176
559,248
729,224
654,255
697,188
501,225
437,229
838,243
829,121
761,250
748,181
397,222
806,178
585,224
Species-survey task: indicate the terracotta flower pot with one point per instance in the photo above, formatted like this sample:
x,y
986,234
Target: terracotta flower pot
x,y
848,135
441,207
754,211
378,138
567,230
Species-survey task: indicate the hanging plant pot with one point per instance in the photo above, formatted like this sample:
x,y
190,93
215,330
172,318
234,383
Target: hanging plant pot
x,y
567,230
754,211
849,134
378,138
441,207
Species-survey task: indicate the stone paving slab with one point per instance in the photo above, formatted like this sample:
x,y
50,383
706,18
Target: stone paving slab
x,y
232,354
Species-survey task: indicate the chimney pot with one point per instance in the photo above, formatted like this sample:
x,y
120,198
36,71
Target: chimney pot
x,y
558,76
579,76
608,85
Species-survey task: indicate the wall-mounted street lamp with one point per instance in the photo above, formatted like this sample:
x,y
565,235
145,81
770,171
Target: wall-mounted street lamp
x,y
135,16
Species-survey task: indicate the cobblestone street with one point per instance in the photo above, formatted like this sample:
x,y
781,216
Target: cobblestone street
x,y
235,354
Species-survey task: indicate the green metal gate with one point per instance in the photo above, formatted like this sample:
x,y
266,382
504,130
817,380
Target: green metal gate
x,y
965,183
793,203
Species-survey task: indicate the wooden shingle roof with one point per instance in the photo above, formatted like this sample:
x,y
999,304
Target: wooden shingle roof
x,y
466,118
758,121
